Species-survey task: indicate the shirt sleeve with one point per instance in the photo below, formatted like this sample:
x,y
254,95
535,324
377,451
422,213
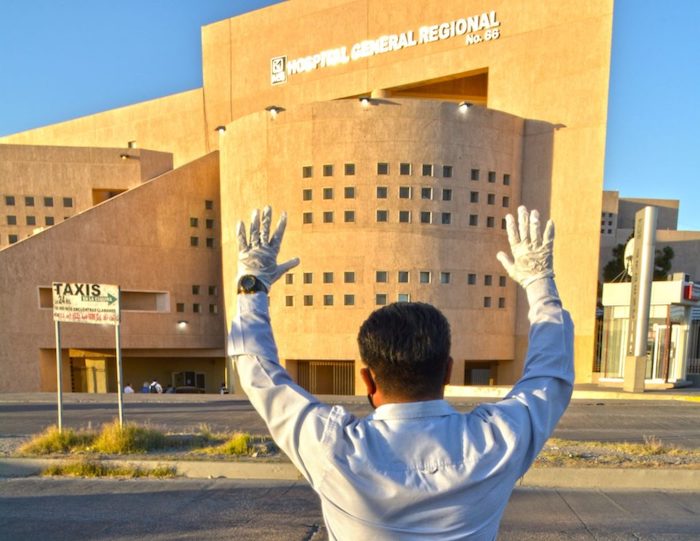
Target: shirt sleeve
x,y
529,413
295,418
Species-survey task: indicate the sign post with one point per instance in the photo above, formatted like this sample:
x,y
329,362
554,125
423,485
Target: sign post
x,y
97,304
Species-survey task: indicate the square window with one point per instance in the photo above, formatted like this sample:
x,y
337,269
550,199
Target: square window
x,y
424,277
471,279
404,297
195,290
289,278
444,277
380,299
180,307
473,220
210,242
446,218
208,204
426,217
349,216
10,200
426,192
404,169
405,216
289,300
194,241
501,302
31,220
506,179
213,309
48,220
308,300
506,201
209,223
349,192
427,170
194,222
382,215
488,279
29,201
382,277
382,192
328,300
492,176
473,197
382,168
501,281
307,218
327,277
67,202
48,201
487,302
213,291
307,171
349,300
195,308
491,199
475,174
328,193
349,277
307,194
328,217
404,192
403,277
12,238
490,221
308,277
447,194
327,170
349,169
447,171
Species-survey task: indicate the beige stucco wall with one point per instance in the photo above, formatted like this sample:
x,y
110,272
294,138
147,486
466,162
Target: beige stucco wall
x,y
173,124
139,240
392,131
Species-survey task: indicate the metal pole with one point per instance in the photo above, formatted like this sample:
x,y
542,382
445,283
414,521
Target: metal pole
x,y
59,383
119,374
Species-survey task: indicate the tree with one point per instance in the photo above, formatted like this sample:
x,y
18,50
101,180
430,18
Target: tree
x,y
662,262
614,268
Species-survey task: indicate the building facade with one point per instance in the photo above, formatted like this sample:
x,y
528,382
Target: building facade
x,y
399,196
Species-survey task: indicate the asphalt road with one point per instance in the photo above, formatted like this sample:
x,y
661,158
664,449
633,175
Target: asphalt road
x,y
608,420
77,509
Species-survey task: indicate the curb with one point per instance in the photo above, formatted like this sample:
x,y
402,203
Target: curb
x,y
582,478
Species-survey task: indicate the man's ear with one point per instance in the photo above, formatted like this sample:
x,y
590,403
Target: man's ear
x,y
448,371
368,380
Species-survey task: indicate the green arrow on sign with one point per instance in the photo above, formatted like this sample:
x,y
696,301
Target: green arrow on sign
x,y
111,299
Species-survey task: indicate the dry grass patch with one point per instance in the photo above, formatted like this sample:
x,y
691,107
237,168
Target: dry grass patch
x,y
95,468
51,441
128,439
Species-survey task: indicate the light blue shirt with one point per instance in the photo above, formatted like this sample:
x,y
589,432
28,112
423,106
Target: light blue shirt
x,y
414,471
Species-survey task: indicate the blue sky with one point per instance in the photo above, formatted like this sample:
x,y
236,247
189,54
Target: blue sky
x,y
61,59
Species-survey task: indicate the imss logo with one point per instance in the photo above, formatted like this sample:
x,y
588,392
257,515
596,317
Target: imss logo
x,y
278,70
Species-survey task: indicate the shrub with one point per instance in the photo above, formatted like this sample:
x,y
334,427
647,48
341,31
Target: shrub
x,y
128,439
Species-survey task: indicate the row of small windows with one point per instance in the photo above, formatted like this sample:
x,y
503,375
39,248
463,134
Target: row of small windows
x,y
402,277
197,308
212,290
208,223
405,192
380,299
406,169
209,242
31,220
30,201
405,216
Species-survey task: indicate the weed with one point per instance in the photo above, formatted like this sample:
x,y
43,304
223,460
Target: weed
x,y
128,439
52,441
95,468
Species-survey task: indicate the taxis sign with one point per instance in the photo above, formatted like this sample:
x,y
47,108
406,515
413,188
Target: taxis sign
x,y
86,303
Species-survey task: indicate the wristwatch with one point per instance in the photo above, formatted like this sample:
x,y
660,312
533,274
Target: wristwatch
x,y
250,284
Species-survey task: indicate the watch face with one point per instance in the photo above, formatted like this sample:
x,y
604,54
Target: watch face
x,y
248,282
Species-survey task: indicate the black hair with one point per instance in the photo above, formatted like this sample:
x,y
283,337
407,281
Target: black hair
x,y
407,346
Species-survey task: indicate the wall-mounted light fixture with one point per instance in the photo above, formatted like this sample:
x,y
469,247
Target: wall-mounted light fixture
x,y
124,156
364,101
182,324
464,106
274,110
220,129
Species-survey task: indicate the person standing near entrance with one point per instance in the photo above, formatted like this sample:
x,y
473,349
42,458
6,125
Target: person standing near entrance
x,y
415,469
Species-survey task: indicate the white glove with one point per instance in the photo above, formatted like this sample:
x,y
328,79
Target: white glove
x,y
259,255
532,253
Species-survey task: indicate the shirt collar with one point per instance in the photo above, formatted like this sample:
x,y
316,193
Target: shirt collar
x,y
412,410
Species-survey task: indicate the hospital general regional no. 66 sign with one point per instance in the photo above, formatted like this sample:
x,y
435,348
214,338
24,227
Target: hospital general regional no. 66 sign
x,y
86,303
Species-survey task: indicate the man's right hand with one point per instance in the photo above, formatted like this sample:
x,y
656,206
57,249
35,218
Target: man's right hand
x,y
532,252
